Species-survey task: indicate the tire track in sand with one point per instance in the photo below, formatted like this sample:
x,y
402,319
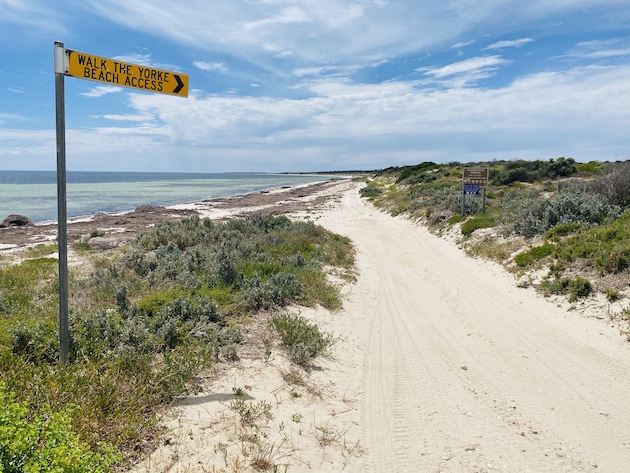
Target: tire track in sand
x,y
465,373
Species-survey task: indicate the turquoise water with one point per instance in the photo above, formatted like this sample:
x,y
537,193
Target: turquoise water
x,y
34,193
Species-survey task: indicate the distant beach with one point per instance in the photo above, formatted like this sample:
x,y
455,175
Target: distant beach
x,y
34,193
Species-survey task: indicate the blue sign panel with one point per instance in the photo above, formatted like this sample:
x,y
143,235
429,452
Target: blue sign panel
x,y
471,189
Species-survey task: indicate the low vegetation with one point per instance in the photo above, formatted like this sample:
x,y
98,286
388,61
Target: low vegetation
x,y
301,339
144,322
570,218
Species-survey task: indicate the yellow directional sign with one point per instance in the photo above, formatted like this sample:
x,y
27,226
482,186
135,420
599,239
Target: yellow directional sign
x,y
110,71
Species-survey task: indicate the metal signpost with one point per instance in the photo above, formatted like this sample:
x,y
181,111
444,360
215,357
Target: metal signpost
x,y
474,179
110,71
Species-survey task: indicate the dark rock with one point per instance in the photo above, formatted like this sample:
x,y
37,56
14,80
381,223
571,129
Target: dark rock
x,y
14,220
149,209
104,243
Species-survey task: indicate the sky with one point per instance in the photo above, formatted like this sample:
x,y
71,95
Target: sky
x,y
319,85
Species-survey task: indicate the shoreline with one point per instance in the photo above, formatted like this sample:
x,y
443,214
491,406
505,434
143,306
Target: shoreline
x,y
122,195
121,227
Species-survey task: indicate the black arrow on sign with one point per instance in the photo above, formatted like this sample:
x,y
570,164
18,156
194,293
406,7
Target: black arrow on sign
x,y
180,84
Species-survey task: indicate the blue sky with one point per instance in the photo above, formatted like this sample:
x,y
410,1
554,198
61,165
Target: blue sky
x,y
310,85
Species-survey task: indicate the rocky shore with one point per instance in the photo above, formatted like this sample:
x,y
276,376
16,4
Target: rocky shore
x,y
114,229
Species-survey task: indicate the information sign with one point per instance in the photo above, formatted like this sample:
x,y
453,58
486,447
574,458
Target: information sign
x,y
478,176
111,71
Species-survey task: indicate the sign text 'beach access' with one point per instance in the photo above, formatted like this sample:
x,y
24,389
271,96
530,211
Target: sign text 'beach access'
x,y
110,71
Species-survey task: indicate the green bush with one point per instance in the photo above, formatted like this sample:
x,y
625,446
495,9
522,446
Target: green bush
x,y
529,217
531,171
302,340
605,247
36,342
534,254
475,223
562,230
370,191
578,288
614,185
275,292
592,167
575,288
45,442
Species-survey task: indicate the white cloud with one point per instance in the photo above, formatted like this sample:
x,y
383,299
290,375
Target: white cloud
x,y
538,116
101,90
284,17
9,117
601,49
515,43
580,112
462,44
313,71
37,16
211,66
475,66
127,118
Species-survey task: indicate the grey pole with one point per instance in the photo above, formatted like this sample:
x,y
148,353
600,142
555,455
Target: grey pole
x,y
62,219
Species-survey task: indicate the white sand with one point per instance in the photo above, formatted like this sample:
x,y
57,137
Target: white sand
x,y
442,365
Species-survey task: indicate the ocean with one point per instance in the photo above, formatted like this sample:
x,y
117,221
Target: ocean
x,y
34,193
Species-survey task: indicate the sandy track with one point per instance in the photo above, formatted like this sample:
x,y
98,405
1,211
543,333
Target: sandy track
x,y
463,372
441,365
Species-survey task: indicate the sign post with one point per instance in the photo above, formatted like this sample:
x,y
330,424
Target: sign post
x,y
472,180
62,220
110,71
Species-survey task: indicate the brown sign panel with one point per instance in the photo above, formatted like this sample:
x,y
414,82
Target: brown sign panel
x,y
476,176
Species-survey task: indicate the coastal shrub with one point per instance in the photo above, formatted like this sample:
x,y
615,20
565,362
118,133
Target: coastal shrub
x,y
302,340
606,247
576,288
448,199
162,322
615,184
475,223
277,291
27,290
456,219
36,342
520,170
415,173
562,230
529,217
145,321
45,442
182,233
534,254
592,167
40,250
612,294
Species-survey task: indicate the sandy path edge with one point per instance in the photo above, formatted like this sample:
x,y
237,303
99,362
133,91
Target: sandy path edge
x,y
442,365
